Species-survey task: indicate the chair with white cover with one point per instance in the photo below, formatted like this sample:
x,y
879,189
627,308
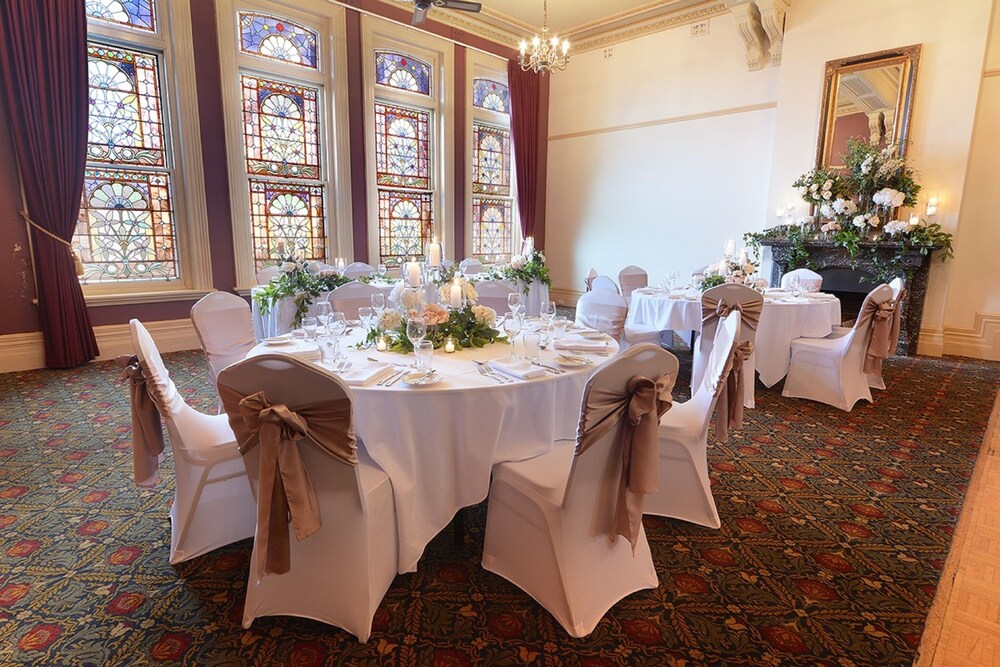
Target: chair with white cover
x,y
809,281
588,280
494,293
716,303
343,556
350,296
700,271
225,328
356,270
470,266
632,278
550,517
684,490
835,370
267,274
213,503
605,283
604,310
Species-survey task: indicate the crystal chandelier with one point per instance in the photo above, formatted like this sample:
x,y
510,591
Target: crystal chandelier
x,y
546,52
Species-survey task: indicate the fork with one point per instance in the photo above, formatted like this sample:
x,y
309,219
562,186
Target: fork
x,y
488,372
551,369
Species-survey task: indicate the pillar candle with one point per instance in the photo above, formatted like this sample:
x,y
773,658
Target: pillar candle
x,y
434,253
730,248
412,273
743,256
914,220
455,296
529,246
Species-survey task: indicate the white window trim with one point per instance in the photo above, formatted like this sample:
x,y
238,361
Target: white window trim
x,y
329,21
378,34
480,65
180,108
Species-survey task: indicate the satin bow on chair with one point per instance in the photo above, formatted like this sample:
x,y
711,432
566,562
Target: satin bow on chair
x,y
712,311
729,410
147,430
881,343
285,490
639,409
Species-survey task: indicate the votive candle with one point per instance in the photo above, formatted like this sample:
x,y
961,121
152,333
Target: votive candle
x,y
449,345
381,344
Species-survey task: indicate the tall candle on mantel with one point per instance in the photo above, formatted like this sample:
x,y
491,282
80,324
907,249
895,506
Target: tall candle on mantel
x,y
434,253
529,246
743,256
455,296
412,273
730,248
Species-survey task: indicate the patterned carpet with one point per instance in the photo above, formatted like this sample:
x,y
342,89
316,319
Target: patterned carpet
x,y
835,530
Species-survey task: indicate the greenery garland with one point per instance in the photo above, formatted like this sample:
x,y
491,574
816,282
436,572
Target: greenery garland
x,y
471,326
526,269
297,281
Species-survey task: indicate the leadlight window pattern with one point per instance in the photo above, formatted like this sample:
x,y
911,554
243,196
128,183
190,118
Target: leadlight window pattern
x,y
401,147
277,39
491,95
288,212
490,160
405,225
125,123
397,70
281,128
138,14
492,229
125,230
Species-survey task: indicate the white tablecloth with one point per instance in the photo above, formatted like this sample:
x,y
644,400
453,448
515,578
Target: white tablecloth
x,y
438,443
781,321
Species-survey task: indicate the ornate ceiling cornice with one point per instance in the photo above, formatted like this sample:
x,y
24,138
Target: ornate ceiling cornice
x,y
672,20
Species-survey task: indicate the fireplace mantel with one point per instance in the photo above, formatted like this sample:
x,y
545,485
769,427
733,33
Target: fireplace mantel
x,y
825,255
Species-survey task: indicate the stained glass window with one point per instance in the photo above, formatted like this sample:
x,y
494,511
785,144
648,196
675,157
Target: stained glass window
x,y
490,160
277,39
125,124
138,14
287,212
401,147
280,128
125,229
491,95
405,225
396,70
492,229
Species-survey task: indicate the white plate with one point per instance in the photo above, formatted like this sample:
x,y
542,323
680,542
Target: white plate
x,y
591,335
274,342
566,362
417,379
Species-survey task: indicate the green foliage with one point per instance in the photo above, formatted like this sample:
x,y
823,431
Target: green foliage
x,y
466,327
300,284
534,269
712,280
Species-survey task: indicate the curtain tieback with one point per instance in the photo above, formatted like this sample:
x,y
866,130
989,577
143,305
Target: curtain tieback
x,y
77,264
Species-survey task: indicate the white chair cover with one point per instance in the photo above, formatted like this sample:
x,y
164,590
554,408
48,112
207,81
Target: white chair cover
x,y
357,269
494,293
631,278
350,296
268,273
685,491
225,329
603,310
700,271
213,504
749,300
831,370
550,517
340,573
809,281
588,279
470,266
605,282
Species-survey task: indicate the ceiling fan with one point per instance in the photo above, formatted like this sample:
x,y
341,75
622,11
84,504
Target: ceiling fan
x,y
420,7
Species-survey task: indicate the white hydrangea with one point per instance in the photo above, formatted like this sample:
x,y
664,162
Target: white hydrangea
x,y
843,206
518,261
896,226
390,320
860,221
889,198
411,299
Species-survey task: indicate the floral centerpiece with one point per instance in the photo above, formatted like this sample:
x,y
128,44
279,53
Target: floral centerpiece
x,y
301,280
527,266
739,271
469,326
860,205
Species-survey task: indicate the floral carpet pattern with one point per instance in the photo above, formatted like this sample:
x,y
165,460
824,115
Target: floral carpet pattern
x,y
835,530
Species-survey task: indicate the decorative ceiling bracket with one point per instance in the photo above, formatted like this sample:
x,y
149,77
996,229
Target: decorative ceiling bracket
x,y
772,17
762,26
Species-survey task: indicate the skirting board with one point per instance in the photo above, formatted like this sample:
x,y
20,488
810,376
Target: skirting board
x,y
564,297
25,351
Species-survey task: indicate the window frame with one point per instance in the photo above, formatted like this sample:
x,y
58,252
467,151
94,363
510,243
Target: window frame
x,y
182,142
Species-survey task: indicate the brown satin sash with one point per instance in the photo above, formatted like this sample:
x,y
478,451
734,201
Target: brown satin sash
x,y
285,490
729,407
713,310
881,323
638,410
897,318
147,430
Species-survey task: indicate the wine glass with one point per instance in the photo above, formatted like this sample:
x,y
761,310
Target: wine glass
x,y
512,325
337,327
378,303
366,315
514,302
416,329
383,271
322,311
794,283
547,310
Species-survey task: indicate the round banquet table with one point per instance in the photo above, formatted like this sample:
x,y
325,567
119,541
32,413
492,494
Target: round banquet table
x,y
783,319
438,443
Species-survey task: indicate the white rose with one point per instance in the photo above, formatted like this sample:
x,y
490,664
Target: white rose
x,y
541,257
859,221
826,211
517,261
813,188
828,184
485,315
874,220
411,299
827,194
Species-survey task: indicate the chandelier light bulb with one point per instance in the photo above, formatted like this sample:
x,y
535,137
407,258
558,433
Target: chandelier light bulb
x,y
544,55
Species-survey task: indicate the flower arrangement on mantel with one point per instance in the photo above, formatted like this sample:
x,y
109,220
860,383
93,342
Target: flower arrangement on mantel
x,y
857,208
303,281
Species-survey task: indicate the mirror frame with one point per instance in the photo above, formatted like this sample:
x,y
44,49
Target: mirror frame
x,y
908,56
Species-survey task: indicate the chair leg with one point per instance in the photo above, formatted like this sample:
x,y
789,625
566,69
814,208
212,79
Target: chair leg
x,y
458,529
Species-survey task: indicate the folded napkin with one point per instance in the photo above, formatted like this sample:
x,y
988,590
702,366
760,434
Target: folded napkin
x,y
822,296
777,290
647,290
518,368
300,348
582,345
359,377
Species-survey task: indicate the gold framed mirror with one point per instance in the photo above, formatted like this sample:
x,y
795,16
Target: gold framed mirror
x,y
868,97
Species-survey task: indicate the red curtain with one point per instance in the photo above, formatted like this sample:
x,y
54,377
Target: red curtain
x,y
43,67
524,111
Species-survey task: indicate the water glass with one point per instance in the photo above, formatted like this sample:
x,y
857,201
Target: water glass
x,y
378,304
514,301
559,324
416,329
309,325
793,282
532,341
366,315
322,312
547,311
328,349
424,352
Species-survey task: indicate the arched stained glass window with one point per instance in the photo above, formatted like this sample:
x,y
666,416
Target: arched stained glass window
x,y
125,124
491,95
139,14
277,39
490,160
396,70
492,229
126,229
280,128
401,145
405,225
286,212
